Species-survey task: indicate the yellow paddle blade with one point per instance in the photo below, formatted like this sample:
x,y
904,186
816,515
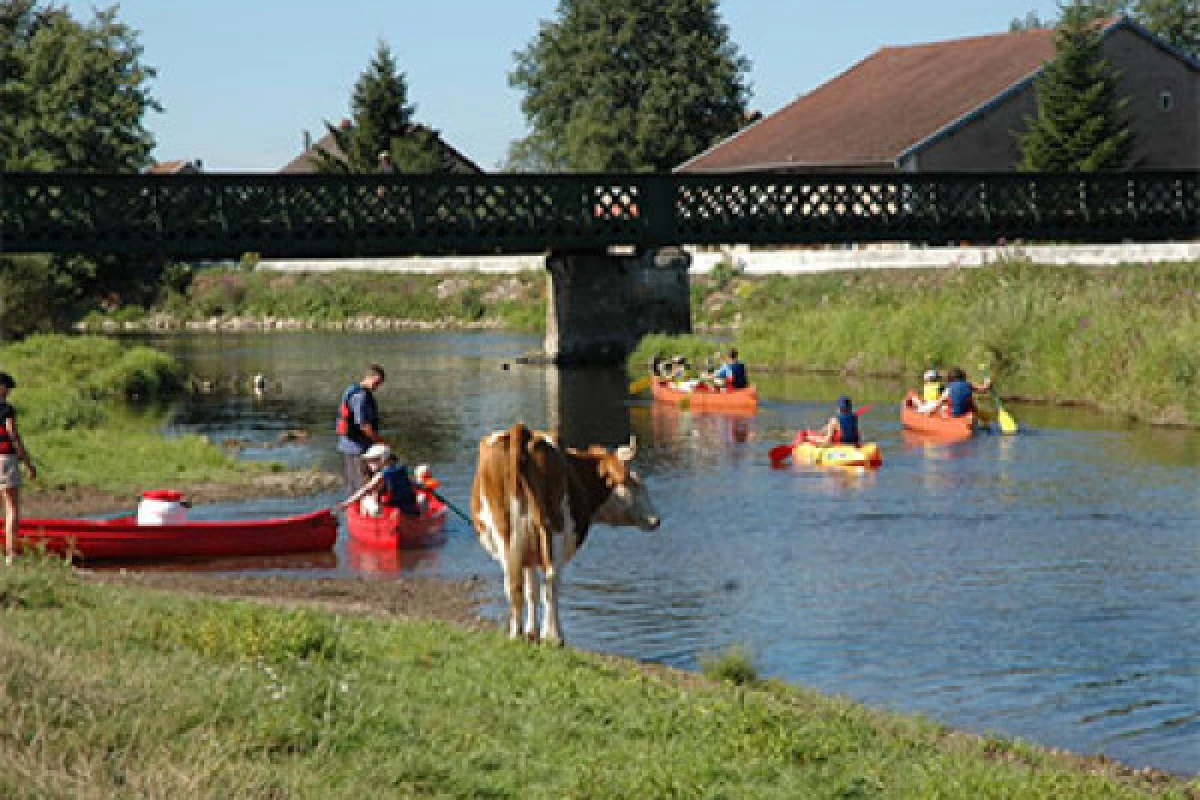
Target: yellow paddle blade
x,y
640,385
1007,423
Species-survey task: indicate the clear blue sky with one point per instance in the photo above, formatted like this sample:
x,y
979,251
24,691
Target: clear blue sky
x,y
241,80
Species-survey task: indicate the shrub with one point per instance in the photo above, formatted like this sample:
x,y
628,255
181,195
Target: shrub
x,y
734,664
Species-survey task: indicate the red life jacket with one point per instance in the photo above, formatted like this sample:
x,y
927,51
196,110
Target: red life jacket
x,y
7,445
345,419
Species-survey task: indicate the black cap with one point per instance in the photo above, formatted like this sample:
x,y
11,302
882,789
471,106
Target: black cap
x,y
7,380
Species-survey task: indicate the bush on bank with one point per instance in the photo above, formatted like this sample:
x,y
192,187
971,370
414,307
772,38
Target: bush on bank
x,y
1121,339
516,301
75,407
109,691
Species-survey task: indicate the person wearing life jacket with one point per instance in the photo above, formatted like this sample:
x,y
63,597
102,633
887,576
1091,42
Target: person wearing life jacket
x,y
931,392
357,425
12,455
425,485
732,374
842,427
388,487
958,398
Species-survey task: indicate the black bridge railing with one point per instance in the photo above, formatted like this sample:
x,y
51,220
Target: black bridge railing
x,y
225,215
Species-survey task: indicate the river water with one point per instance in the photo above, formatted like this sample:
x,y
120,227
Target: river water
x,y
1044,586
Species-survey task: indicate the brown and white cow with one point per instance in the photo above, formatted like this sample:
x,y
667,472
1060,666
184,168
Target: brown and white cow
x,y
533,503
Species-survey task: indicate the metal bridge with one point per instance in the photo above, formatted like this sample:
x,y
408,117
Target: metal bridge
x,y
280,216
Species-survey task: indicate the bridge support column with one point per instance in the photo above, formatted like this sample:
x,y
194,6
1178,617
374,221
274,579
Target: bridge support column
x,y
602,304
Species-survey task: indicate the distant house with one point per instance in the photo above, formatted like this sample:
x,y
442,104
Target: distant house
x,y
306,161
954,106
176,168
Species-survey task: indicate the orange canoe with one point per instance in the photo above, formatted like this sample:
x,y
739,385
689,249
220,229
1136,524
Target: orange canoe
x,y
704,398
938,425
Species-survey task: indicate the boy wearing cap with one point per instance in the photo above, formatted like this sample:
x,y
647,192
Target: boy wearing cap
x,y
842,427
12,455
389,486
931,391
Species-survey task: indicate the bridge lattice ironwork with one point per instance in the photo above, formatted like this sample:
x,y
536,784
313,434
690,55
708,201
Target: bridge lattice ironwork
x,y
226,215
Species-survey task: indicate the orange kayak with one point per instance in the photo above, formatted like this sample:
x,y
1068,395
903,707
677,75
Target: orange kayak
x,y
704,398
938,425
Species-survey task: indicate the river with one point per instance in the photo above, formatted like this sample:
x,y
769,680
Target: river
x,y
1044,586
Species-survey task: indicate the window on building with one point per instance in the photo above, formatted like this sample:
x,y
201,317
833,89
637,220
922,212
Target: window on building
x,y
1166,100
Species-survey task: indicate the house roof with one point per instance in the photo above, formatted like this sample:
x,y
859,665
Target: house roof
x,y
884,105
303,163
172,167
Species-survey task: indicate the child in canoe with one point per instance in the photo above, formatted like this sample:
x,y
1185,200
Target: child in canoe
x,y
842,427
388,486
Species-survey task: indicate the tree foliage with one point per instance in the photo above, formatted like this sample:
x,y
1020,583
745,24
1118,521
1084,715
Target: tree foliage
x,y
1176,21
1078,125
382,121
628,85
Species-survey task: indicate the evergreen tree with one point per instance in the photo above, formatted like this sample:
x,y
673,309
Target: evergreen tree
x,y
1078,125
628,85
381,121
1176,21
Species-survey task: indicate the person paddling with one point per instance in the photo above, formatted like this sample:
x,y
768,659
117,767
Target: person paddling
x,y
842,427
732,372
357,425
389,486
959,396
12,455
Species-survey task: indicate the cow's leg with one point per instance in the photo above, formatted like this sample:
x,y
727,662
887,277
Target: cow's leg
x,y
531,593
514,590
551,631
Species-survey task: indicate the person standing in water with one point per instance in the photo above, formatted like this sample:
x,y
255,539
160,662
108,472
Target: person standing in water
x,y
12,455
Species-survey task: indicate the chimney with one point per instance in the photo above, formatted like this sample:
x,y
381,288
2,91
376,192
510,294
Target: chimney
x,y
307,141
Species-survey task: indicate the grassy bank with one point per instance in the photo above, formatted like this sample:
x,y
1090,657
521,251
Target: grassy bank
x,y
91,413
113,691
1120,339
331,299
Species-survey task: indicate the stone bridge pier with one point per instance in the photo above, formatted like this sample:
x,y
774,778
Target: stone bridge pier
x,y
601,304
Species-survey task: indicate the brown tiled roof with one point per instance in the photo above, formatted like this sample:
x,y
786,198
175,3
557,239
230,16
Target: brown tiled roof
x,y
304,163
172,167
895,98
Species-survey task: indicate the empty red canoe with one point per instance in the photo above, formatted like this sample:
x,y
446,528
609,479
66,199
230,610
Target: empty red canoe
x,y
393,530
703,398
938,425
123,538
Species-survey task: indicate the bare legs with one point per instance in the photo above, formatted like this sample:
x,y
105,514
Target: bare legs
x,y
12,513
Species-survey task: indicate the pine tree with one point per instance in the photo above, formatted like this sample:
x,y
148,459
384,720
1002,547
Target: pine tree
x,y
381,121
628,85
1176,21
1078,127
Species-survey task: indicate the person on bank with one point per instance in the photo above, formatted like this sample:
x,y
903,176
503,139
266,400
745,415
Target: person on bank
x,y
959,395
12,455
842,427
357,425
389,486
732,372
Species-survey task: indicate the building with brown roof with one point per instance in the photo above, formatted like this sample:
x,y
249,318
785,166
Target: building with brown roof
x,y
955,105
455,161
179,167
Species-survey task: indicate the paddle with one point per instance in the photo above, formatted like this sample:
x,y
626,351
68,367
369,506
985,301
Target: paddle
x,y
1008,424
784,451
641,385
451,506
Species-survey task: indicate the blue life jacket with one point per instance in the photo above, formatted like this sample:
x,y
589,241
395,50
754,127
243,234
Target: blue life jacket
x,y
398,491
739,375
848,422
960,398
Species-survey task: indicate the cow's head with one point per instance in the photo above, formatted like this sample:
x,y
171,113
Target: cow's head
x,y
628,502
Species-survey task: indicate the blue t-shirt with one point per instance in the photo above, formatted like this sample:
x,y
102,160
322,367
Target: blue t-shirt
x,y
848,423
398,490
362,411
735,372
960,398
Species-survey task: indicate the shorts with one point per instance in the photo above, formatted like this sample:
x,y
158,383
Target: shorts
x,y
10,471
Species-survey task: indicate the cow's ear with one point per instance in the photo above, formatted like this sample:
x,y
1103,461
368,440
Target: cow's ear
x,y
627,452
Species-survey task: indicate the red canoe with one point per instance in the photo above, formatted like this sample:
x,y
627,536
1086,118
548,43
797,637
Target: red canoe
x,y
938,425
704,398
393,530
123,538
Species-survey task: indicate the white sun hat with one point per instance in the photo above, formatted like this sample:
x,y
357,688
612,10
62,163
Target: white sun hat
x,y
377,452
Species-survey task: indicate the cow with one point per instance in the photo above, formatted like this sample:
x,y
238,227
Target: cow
x,y
532,503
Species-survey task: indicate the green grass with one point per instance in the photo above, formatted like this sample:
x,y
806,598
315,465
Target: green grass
x,y
75,414
1120,339
113,692
515,302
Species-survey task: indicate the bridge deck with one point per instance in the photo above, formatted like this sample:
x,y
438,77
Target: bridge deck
x,y
225,215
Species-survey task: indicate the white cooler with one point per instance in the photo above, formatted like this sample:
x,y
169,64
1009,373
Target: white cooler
x,y
161,507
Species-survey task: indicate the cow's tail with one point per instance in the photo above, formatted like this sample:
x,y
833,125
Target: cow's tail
x,y
517,490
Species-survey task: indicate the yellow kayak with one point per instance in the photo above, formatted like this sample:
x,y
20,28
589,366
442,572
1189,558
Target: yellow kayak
x,y
867,454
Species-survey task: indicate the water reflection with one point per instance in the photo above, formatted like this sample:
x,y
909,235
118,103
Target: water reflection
x,y
390,560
